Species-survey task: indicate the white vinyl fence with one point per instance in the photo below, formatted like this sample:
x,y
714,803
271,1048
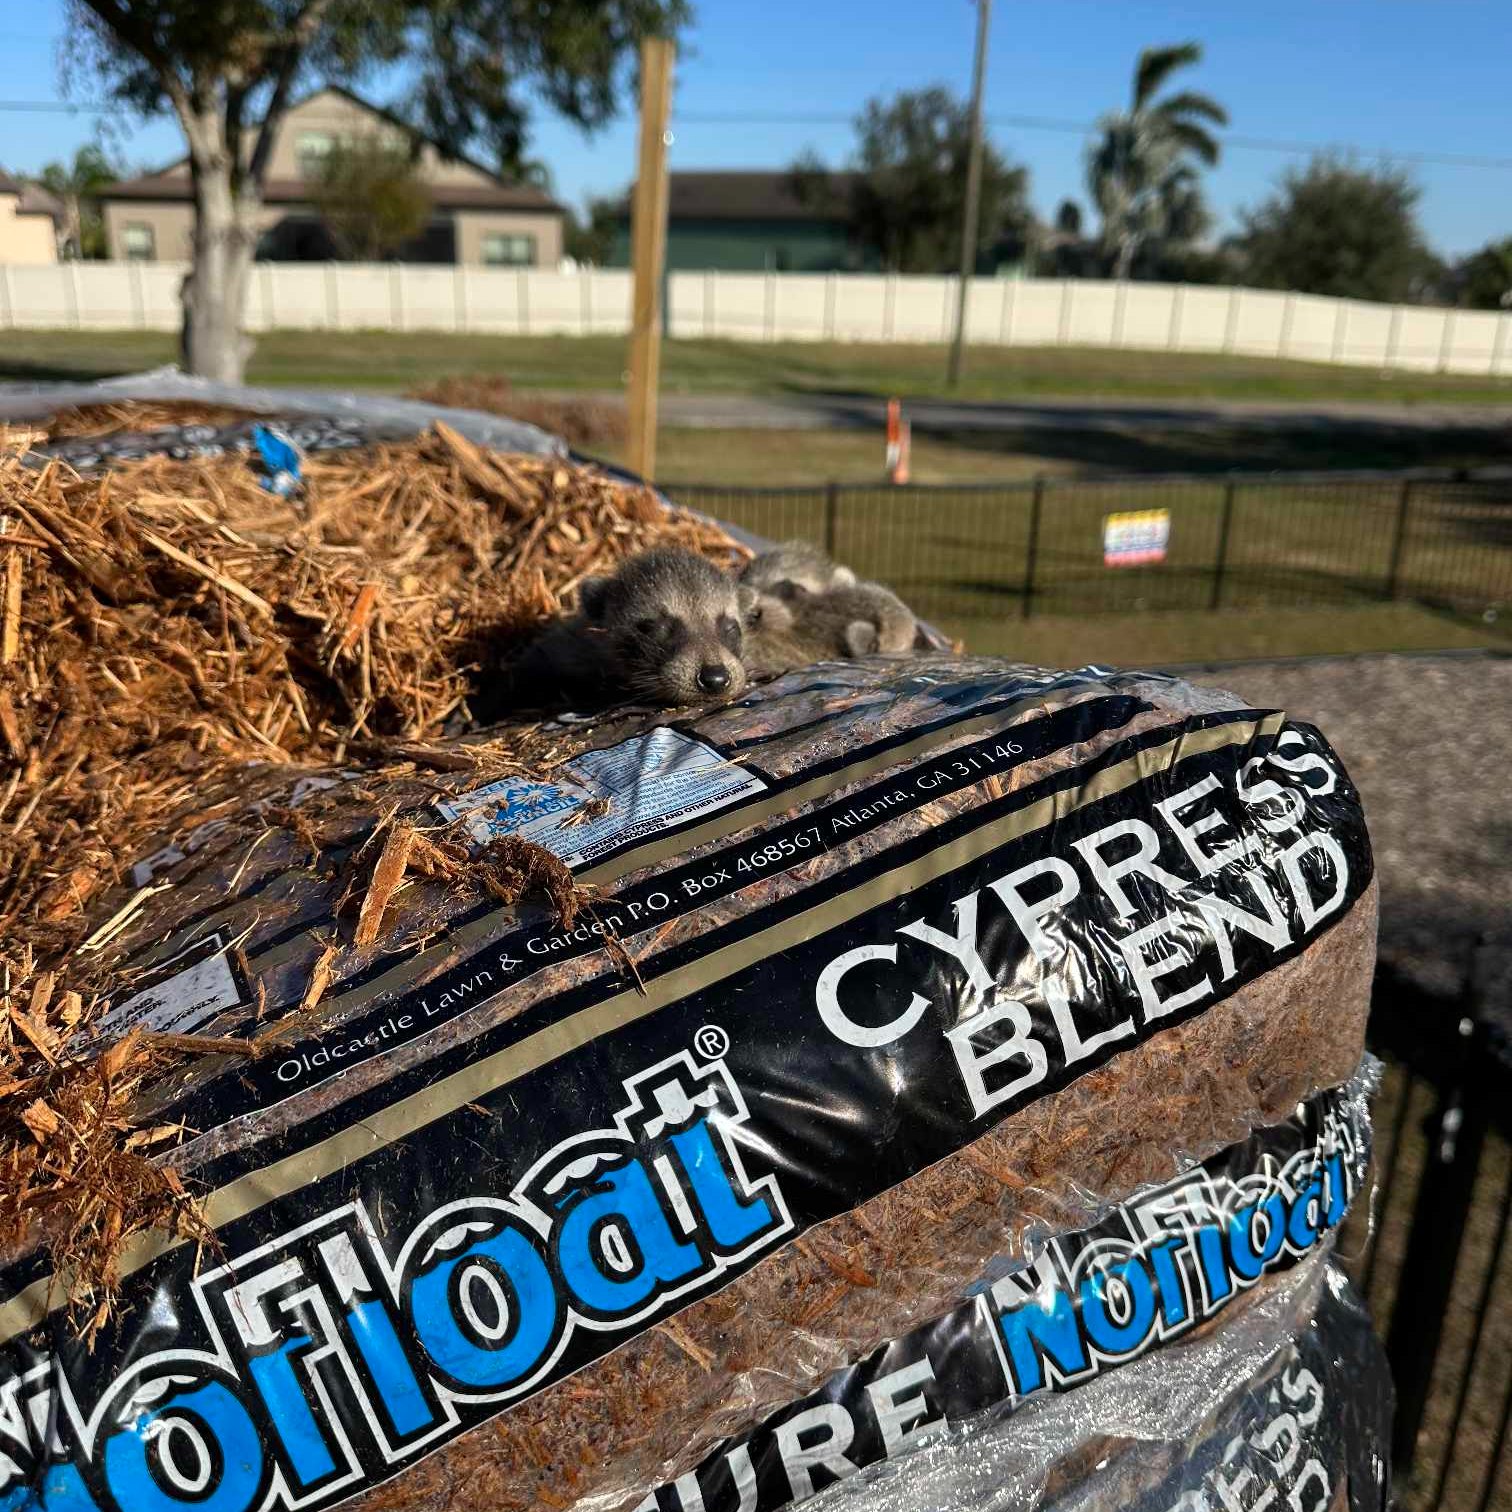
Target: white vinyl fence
x,y
779,307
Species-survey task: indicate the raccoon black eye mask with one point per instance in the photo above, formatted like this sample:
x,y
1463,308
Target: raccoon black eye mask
x,y
666,629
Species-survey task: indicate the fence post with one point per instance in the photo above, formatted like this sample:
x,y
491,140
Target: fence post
x,y
1031,552
333,305
138,296
1446,343
1399,538
1173,331
1231,322
1220,565
7,298
1499,346
1457,1132
459,296
831,513
1394,336
770,312
1288,317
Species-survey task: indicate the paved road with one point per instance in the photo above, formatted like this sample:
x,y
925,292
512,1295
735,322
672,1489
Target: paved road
x,y
842,412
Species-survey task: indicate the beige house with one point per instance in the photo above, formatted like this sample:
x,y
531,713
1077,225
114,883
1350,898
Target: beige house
x,y
476,216
28,223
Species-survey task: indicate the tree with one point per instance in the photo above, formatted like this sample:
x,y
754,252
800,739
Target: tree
x,y
1483,281
229,70
1336,228
1068,218
1141,171
590,239
906,198
371,197
78,184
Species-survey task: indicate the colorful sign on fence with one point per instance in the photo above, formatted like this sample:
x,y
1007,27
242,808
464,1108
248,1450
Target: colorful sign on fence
x,y
1136,538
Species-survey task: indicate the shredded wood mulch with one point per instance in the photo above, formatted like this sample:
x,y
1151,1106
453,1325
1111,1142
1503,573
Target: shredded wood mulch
x,y
165,625
138,415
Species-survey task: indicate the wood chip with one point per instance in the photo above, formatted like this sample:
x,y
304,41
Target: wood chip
x,y
210,574
388,872
41,1120
10,618
357,620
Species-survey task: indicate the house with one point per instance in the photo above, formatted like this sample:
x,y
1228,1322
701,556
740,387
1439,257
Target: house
x,y
29,222
752,221
477,217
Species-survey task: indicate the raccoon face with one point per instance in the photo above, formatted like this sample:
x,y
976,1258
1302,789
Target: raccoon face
x,y
795,570
674,626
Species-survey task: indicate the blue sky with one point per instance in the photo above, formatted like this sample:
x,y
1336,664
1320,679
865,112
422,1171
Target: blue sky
x,y
1425,76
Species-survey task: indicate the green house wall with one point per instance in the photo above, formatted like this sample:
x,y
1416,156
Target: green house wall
x,y
752,247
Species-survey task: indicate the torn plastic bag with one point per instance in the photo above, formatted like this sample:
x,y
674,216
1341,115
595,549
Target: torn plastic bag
x,y
892,966
314,419
1175,1259
1286,1404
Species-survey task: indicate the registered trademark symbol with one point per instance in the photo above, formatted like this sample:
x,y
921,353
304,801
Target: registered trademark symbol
x,y
711,1042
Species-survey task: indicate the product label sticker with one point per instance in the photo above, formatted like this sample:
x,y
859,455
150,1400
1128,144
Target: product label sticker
x,y
1136,538
183,993
606,799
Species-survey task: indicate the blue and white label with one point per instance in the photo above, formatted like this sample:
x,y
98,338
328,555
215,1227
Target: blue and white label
x,y
603,800
337,1354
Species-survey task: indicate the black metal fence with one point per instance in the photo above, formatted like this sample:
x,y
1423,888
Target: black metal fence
x,y
1437,1264
962,554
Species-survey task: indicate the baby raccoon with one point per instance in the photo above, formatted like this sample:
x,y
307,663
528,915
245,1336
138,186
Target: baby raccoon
x,y
795,568
859,620
666,629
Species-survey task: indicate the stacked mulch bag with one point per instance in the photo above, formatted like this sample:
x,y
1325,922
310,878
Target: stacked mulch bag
x,y
936,1080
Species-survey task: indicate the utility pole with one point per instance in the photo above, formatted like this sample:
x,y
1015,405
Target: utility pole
x,y
973,191
648,247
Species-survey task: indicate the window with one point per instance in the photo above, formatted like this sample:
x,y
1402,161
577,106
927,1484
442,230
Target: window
x,y
502,251
311,149
138,241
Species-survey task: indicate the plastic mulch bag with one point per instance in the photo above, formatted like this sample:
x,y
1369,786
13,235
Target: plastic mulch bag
x,y
891,968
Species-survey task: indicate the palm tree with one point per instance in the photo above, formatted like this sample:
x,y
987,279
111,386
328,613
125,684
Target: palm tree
x,y
1139,169
78,185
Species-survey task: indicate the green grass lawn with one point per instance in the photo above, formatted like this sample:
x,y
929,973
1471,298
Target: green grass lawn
x,y
766,457
397,361
1302,559
1306,566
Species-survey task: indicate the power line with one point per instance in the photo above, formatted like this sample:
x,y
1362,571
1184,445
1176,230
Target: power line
x,y
1086,128
1018,122
63,107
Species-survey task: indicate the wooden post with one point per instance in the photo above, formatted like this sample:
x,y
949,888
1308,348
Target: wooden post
x,y
648,246
1225,524
1031,550
973,193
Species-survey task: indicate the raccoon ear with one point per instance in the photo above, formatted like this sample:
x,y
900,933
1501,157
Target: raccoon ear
x,y
750,604
593,596
861,638
842,577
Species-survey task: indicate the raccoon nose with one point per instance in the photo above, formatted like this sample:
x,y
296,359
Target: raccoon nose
x,y
713,678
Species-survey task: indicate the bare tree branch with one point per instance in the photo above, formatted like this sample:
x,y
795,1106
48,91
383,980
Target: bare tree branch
x,y
118,16
301,33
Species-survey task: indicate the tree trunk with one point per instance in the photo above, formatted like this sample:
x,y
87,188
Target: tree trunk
x,y
1127,245
215,291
